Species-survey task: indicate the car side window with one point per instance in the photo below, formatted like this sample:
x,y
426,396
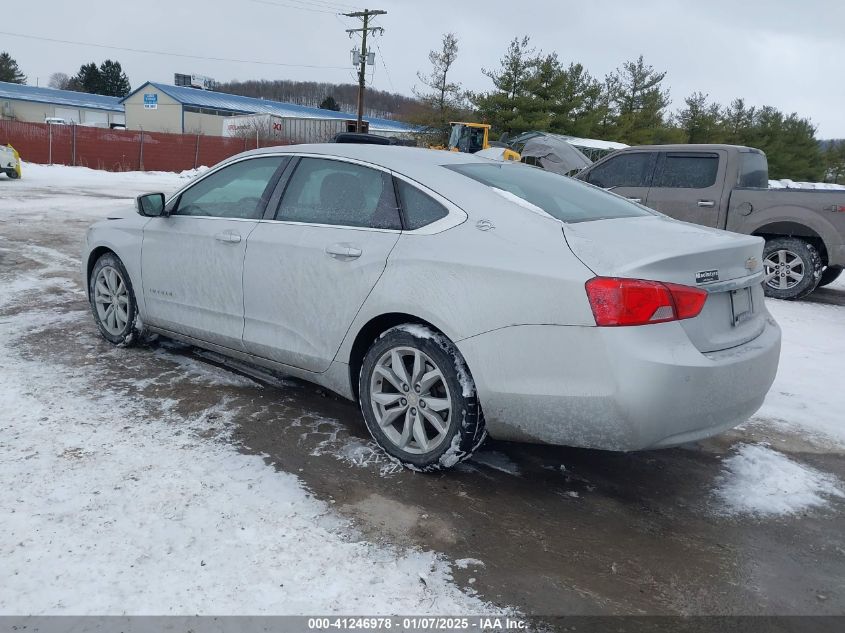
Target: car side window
x,y
235,191
325,191
631,169
418,208
688,171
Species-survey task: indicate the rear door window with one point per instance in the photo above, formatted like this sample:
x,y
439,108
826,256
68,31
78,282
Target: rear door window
x,y
753,170
631,169
419,209
687,171
325,191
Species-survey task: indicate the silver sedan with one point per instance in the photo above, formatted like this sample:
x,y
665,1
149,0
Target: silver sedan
x,y
450,296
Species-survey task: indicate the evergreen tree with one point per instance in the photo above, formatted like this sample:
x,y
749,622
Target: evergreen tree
x,y
738,122
88,79
329,104
701,122
574,108
113,81
834,160
9,70
640,101
510,107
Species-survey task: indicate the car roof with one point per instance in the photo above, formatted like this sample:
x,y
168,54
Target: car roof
x,y
405,160
691,147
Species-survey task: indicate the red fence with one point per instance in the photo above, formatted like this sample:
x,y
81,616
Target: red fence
x,y
118,150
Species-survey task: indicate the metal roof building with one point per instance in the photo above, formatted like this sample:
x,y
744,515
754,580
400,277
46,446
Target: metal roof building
x,y
181,109
35,104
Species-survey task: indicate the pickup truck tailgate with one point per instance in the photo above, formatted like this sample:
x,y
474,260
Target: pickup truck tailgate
x,y
728,266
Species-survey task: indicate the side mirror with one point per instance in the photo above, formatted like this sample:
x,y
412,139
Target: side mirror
x,y
150,205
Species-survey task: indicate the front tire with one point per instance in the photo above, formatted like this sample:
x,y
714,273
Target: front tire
x,y
830,274
419,400
793,268
112,300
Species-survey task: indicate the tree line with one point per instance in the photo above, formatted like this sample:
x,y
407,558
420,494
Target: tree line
x,y
106,79
343,97
532,90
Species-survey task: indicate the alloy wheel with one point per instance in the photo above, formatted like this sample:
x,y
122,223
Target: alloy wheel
x,y
784,269
111,300
411,400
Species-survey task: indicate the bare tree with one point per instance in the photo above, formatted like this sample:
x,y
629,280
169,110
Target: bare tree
x,y
442,97
59,80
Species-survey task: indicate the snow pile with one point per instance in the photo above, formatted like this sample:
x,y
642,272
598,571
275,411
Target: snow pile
x,y
786,183
762,482
804,396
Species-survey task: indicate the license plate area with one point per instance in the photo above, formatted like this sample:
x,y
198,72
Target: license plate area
x,y
742,305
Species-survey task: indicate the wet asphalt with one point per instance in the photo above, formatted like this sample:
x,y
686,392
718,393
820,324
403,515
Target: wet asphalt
x,y
557,530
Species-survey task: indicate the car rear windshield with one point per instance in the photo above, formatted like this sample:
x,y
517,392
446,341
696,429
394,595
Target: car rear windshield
x,y
561,197
753,170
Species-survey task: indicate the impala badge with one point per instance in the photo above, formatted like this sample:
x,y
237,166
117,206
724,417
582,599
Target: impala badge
x,y
751,263
706,276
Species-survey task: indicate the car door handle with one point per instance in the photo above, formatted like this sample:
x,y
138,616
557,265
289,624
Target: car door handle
x,y
228,237
708,204
343,251
636,200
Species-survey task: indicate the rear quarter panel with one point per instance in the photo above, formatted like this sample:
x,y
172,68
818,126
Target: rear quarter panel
x,y
466,281
760,210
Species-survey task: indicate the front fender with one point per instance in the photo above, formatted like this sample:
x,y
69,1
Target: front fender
x,y
122,237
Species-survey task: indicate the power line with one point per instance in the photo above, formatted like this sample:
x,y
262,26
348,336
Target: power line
x,y
292,6
319,4
383,63
170,54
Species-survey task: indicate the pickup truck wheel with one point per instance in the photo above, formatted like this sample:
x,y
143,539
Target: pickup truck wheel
x,y
792,266
830,274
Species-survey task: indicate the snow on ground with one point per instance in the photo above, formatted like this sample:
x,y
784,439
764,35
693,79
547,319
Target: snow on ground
x,y
807,396
762,482
116,505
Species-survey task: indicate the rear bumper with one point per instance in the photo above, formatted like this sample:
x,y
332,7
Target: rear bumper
x,y
616,388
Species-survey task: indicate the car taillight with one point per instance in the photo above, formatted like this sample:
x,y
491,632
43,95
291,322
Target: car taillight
x,y
619,301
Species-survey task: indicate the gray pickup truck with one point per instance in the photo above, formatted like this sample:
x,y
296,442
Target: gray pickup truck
x,y
726,187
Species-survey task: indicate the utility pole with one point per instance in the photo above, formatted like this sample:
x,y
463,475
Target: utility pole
x,y
365,15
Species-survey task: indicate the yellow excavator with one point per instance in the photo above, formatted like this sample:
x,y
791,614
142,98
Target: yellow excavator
x,y
474,137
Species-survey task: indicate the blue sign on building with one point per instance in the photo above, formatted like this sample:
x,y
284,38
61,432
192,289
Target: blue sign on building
x,y
150,101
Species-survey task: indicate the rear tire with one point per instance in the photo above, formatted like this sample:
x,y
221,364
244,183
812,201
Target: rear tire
x,y
792,266
419,400
830,274
112,300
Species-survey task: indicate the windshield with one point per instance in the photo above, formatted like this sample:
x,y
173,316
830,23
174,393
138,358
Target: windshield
x,y
561,197
455,135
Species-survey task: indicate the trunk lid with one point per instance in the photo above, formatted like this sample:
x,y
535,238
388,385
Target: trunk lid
x,y
726,265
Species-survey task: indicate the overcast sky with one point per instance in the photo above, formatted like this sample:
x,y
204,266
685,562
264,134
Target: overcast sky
x,y
782,53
